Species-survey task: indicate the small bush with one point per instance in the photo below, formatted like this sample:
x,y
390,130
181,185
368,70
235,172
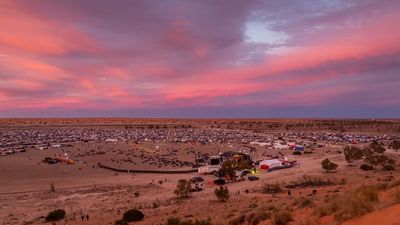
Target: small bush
x,y
303,202
55,215
256,218
328,165
121,222
222,193
297,153
388,167
366,167
173,221
281,217
133,215
395,145
271,188
253,205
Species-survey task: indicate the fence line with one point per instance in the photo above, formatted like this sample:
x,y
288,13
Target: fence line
x,y
147,171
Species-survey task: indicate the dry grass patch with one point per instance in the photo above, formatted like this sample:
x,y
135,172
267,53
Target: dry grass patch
x,y
310,220
397,195
252,218
311,181
281,216
304,202
271,188
353,204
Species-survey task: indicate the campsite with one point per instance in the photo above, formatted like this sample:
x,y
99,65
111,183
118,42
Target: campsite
x,y
113,169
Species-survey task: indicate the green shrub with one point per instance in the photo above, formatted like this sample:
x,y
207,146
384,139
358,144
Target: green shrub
x,y
133,215
121,222
55,215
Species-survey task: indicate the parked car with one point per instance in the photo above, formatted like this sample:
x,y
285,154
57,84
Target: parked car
x,y
253,178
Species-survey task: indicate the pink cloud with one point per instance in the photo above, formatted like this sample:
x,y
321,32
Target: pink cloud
x,y
75,54
23,32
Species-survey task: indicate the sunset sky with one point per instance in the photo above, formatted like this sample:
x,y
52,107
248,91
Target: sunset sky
x,y
204,58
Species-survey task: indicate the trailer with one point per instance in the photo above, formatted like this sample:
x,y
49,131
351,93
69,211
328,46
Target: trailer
x,y
209,169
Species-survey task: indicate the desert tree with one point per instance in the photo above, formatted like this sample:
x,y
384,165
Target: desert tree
x,y
352,153
222,193
377,147
228,168
380,160
183,189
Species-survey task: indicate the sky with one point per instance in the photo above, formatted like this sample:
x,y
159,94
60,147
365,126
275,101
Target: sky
x,y
208,58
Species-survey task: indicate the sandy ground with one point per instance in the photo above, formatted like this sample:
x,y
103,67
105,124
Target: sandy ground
x,y
26,197
85,189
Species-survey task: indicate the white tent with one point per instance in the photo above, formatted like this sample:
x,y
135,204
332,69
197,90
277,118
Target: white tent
x,y
270,163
